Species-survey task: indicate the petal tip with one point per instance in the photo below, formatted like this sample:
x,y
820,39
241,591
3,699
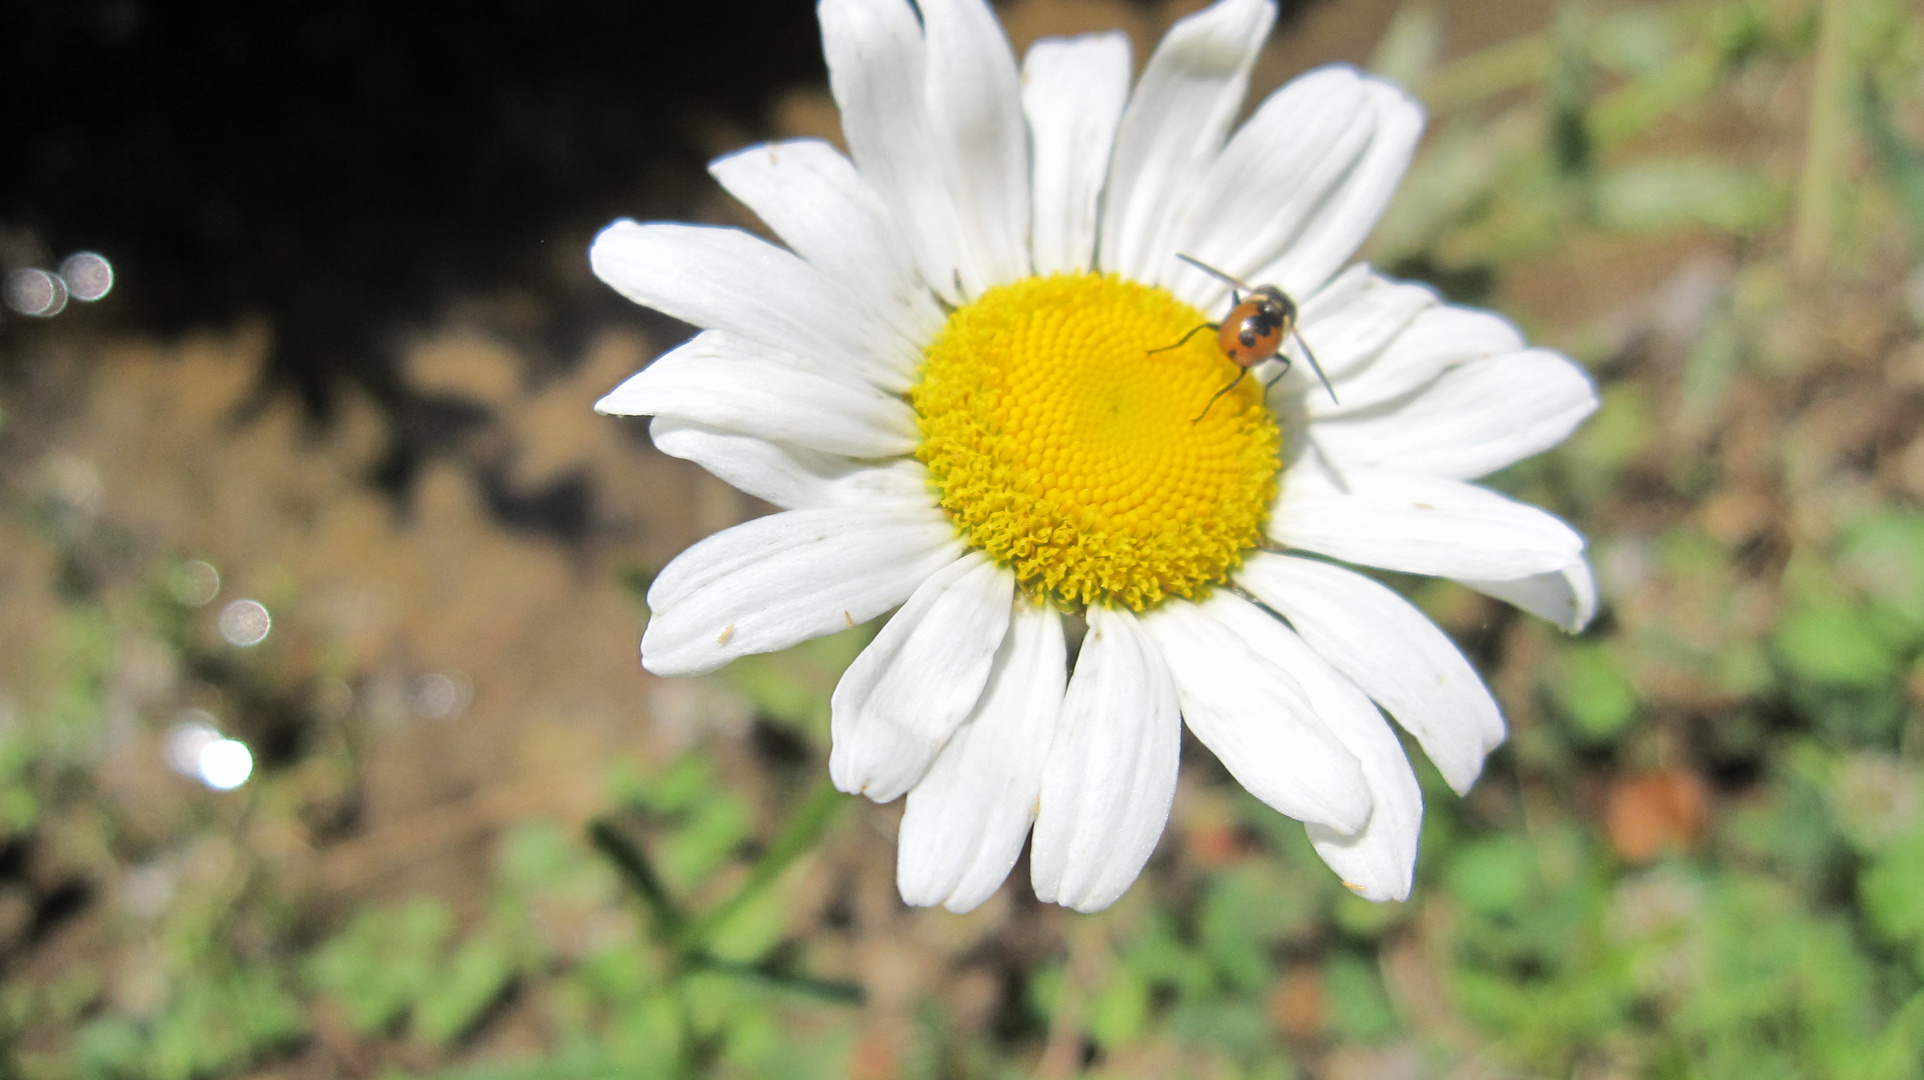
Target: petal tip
x,y
1380,893
611,404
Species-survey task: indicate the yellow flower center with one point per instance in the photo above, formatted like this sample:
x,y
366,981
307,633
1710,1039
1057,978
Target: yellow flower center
x,y
1061,435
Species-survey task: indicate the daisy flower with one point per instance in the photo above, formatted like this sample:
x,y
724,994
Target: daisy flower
x,y
960,381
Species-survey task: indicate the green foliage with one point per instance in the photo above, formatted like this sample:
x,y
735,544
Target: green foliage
x,y
1892,887
1594,693
50,738
1663,195
405,961
213,1025
1829,641
1360,1009
385,960
792,687
1883,556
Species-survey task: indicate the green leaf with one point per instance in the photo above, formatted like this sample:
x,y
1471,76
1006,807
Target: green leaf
x,y
1119,1011
805,826
1359,1006
1591,690
749,929
686,784
1045,989
1493,876
699,845
1623,428
1884,557
1668,193
385,960
1892,891
108,1048
1829,641
1367,918
1900,162
638,870
214,1025
793,686
1245,908
471,981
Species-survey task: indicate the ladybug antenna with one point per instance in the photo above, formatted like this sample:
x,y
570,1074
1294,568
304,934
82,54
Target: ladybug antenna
x,y
1318,368
1213,272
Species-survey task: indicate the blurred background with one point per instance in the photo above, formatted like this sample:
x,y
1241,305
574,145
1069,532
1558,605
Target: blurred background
x,y
323,747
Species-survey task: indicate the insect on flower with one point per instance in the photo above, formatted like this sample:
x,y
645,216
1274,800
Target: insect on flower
x,y
1254,331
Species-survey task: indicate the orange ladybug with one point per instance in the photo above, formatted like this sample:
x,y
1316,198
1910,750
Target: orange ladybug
x,y
1254,331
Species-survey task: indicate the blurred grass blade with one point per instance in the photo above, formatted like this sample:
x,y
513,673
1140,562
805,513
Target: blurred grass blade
x,y
1659,195
1409,49
1516,64
670,921
1901,163
1826,140
805,826
1568,89
775,972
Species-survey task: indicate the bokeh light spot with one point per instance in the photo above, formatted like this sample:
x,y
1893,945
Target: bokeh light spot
x,y
35,292
88,275
197,750
245,623
226,764
194,583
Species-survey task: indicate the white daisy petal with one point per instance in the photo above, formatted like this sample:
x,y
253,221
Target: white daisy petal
x,y
721,380
899,702
1379,862
725,279
827,213
1344,219
1434,340
1073,92
792,477
1350,320
1172,129
1275,175
1474,419
965,822
1384,645
1111,772
877,67
1246,706
1417,524
783,579
1566,597
974,103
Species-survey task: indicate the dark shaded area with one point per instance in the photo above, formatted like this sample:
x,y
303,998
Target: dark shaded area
x,y
351,170
351,167
45,897
779,745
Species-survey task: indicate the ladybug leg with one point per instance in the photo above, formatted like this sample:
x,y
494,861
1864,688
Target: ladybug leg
x,y
1220,393
1285,360
1185,338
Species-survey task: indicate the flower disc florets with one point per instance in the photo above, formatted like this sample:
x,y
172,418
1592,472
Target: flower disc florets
x,y
1062,436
